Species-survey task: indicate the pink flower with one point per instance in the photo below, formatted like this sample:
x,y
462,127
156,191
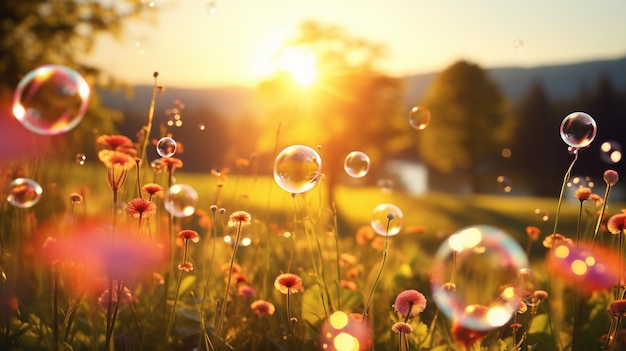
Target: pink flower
x,y
190,235
615,225
610,176
402,327
126,298
263,308
140,208
410,303
152,189
288,283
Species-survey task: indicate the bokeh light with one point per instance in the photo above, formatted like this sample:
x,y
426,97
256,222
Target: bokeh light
x,y
345,332
180,200
611,152
51,100
505,184
297,168
482,263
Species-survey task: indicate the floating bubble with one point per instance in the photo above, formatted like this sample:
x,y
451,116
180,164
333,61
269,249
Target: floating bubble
x,y
297,168
166,147
543,215
611,152
504,184
419,117
578,129
385,185
356,164
598,268
51,100
387,219
475,277
180,200
24,192
81,159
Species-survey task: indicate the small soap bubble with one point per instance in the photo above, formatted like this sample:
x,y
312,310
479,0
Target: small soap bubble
x,y
419,117
81,159
611,152
297,169
24,192
356,164
51,100
578,129
166,147
180,200
505,184
387,219
482,263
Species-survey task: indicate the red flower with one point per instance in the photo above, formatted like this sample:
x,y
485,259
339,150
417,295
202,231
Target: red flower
x,y
410,303
615,224
185,266
533,232
402,327
263,308
152,189
140,208
117,143
189,234
288,283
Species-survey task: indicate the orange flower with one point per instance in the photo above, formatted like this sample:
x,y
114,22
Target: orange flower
x,y
189,234
169,163
288,283
117,143
616,223
533,232
348,285
364,234
556,239
410,303
402,327
226,267
583,193
465,336
239,218
140,208
263,308
185,266
346,259
118,164
152,189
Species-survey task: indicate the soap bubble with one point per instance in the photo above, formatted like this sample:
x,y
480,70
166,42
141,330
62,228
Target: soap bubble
x,y
356,164
180,200
51,100
611,152
387,215
81,159
504,184
475,277
24,192
297,168
166,147
578,129
419,117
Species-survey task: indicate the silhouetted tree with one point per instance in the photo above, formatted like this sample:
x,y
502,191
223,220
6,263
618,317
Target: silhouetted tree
x,y
469,123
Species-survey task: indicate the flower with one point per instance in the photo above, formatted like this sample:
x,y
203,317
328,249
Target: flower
x,y
555,240
126,298
152,189
582,193
168,163
610,177
288,283
364,234
539,295
185,266
615,225
224,268
465,336
189,234
117,143
76,198
246,290
239,218
618,307
533,232
113,159
263,308
140,208
402,327
346,259
410,303
348,284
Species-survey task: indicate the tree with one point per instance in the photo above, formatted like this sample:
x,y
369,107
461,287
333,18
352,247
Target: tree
x,y
469,123
351,105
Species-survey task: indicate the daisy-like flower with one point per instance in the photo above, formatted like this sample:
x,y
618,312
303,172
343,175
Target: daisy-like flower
x,y
239,218
263,308
583,193
556,239
224,268
190,235
185,266
410,303
152,189
533,232
288,283
402,327
170,163
112,159
117,143
616,223
140,208
610,177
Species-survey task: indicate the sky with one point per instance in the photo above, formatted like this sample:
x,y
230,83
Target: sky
x,y
192,47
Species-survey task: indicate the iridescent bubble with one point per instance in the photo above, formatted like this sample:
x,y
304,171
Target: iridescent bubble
x,y
611,152
385,185
419,117
81,159
543,215
297,168
504,184
387,219
24,192
475,277
180,200
51,100
578,129
166,147
356,164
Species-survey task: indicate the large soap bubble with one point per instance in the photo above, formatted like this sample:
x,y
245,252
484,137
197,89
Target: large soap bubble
x,y
475,277
578,129
51,100
181,200
297,168
24,192
387,219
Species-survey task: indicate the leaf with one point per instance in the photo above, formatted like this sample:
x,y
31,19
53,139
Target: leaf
x,y
186,283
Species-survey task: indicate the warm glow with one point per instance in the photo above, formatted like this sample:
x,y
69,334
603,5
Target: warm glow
x,y
300,63
579,267
345,342
498,316
338,320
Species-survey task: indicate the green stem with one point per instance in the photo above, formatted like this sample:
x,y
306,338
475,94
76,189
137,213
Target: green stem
x,y
380,271
220,321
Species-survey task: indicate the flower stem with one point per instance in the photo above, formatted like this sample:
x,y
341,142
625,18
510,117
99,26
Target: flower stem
x,y
595,232
380,271
220,321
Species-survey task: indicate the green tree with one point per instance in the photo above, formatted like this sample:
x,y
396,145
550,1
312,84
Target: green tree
x,y
470,121
351,106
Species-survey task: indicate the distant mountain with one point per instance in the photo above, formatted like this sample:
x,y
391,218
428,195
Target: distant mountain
x,y
559,81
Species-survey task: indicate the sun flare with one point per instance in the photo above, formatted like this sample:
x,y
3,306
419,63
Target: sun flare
x,y
300,63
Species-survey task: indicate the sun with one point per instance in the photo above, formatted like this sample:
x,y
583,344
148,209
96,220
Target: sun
x,y
300,63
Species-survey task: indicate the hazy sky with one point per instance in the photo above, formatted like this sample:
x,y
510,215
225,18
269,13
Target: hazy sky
x,y
191,47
